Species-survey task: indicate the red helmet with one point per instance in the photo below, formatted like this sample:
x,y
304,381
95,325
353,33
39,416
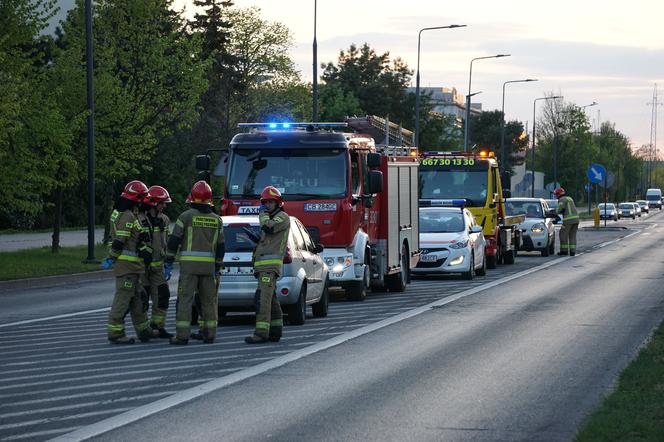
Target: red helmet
x,y
135,191
201,193
271,193
156,195
559,192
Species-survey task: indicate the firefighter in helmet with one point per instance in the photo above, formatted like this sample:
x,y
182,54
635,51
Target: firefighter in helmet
x,y
268,262
567,208
154,281
198,236
127,254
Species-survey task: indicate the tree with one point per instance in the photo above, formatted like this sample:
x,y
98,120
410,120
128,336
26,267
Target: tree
x,y
485,133
336,104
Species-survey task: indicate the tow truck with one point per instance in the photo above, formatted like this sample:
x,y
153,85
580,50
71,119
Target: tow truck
x,y
447,177
357,199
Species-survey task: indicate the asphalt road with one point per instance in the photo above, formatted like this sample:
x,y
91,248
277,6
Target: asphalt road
x,y
20,241
497,364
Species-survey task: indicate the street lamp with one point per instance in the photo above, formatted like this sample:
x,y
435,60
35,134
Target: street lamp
x,y
314,101
532,152
502,121
90,133
416,141
470,79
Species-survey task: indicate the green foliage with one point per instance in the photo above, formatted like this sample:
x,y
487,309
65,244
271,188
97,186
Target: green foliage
x,y
336,104
485,133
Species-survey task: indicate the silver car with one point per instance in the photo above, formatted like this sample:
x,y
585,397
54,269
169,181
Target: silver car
x,y
537,231
627,210
304,280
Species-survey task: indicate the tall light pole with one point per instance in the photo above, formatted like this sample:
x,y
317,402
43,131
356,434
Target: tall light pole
x,y
470,79
91,133
314,110
532,150
502,121
416,141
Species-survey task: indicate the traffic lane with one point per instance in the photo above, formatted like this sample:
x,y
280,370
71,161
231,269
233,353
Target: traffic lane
x,y
625,222
18,241
525,362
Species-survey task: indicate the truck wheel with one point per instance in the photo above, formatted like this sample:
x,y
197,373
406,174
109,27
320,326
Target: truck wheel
x,y
491,262
508,257
470,274
397,282
482,270
320,308
297,312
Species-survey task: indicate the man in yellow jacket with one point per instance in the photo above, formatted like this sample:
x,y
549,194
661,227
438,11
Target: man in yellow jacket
x,y
567,234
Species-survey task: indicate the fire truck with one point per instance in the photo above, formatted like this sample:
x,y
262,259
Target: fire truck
x,y
357,199
476,179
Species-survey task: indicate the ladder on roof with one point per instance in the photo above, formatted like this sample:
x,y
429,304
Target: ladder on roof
x,y
382,130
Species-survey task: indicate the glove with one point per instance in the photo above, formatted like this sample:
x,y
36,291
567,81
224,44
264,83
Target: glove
x,y
168,270
107,263
145,252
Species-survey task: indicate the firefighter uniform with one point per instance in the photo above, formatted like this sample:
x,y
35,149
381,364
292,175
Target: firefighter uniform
x,y
199,238
567,208
268,263
128,265
154,281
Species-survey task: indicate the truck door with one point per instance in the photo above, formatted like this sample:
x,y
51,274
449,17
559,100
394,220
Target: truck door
x,y
357,213
369,214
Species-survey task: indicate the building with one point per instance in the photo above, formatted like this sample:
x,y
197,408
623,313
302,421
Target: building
x,y
448,101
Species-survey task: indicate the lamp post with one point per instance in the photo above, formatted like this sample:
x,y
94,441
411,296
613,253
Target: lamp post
x,y
314,101
416,141
91,134
470,79
532,151
502,121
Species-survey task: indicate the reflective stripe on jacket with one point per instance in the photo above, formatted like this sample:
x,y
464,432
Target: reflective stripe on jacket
x,y
126,232
271,247
567,208
200,234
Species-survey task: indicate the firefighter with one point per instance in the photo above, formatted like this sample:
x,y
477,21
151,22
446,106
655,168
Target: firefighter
x,y
154,281
268,262
198,236
567,208
126,255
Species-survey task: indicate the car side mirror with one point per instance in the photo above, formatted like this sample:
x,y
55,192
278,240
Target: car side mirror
x,y
319,248
476,229
373,159
375,182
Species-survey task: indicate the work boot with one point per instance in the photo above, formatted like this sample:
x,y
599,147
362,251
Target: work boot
x,y
160,332
121,340
176,341
255,339
145,335
198,336
572,253
275,334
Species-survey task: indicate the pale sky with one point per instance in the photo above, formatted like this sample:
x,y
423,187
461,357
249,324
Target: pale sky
x,y
607,51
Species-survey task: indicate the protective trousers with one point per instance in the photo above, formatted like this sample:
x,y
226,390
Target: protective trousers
x,y
568,238
127,298
269,317
206,287
157,288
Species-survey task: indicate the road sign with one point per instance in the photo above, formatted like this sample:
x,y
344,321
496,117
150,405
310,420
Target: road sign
x,y
610,180
588,187
596,173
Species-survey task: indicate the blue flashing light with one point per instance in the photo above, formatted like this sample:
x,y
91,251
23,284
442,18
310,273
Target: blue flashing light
x,y
443,203
286,125
272,125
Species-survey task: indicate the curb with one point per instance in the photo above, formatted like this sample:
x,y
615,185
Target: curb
x,y
53,281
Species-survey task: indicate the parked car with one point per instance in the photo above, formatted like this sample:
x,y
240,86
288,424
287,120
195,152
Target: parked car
x,y
537,231
645,207
450,242
553,205
627,210
304,280
608,211
637,209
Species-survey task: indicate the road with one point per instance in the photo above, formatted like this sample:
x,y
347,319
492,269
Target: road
x,y
20,241
523,355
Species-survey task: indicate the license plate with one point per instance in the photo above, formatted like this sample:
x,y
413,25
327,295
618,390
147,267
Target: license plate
x,y
239,271
337,275
429,258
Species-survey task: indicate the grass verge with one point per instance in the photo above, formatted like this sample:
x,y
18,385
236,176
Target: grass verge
x,y
635,410
32,263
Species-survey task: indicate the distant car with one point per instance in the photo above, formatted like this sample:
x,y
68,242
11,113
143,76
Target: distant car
x,y
627,210
608,211
645,207
450,242
304,280
637,209
553,204
537,231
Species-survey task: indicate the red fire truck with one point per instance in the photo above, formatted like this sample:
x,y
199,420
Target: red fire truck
x,y
356,199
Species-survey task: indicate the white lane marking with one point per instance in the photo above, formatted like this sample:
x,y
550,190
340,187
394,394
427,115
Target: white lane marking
x,y
49,420
39,433
80,387
200,390
51,318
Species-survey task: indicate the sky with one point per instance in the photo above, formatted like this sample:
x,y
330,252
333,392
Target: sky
x,y
607,51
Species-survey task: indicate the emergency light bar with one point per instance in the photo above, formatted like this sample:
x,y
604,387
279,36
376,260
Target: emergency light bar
x,y
481,154
287,125
461,202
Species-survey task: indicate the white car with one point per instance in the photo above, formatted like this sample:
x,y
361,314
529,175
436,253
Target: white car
x,y
537,231
450,242
627,210
303,281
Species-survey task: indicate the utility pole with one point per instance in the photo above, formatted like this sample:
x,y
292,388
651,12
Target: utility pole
x,y
314,101
91,134
652,147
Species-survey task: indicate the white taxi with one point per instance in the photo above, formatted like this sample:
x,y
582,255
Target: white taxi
x,y
450,242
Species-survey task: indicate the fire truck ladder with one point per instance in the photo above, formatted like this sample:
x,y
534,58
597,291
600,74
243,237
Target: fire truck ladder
x,y
382,130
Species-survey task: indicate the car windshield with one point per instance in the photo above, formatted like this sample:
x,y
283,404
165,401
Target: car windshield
x,y
641,203
450,184
653,197
441,221
608,206
297,173
532,209
241,237
627,206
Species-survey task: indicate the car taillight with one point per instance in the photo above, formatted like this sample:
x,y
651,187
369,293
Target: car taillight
x,y
288,257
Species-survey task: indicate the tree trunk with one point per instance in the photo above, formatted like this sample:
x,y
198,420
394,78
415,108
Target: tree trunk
x,y
57,221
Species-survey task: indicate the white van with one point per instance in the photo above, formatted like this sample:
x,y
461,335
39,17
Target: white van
x,y
654,198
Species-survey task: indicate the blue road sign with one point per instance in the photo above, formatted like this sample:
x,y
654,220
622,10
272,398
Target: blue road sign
x,y
596,173
588,187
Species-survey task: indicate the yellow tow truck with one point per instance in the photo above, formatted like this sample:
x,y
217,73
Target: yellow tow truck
x,y
445,178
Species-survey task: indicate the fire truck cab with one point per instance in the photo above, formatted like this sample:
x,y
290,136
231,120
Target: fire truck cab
x,y
358,201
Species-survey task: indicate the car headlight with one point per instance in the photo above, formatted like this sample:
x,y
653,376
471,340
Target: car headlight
x,y
456,261
340,263
459,244
538,228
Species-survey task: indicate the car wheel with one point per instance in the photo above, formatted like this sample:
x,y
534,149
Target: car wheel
x,y
482,270
509,257
397,282
491,262
357,290
470,274
297,312
320,308
552,246
546,250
